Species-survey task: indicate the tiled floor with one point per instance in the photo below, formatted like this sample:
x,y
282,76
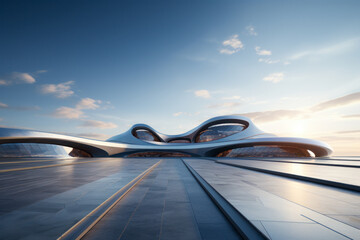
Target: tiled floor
x,y
344,175
309,161
44,203
169,203
276,203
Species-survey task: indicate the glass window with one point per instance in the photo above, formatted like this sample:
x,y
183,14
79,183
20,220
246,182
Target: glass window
x,y
146,135
218,131
265,151
39,150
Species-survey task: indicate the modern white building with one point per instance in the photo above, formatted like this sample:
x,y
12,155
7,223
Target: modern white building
x,y
224,136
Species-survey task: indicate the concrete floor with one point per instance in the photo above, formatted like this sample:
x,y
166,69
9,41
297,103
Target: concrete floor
x,y
44,198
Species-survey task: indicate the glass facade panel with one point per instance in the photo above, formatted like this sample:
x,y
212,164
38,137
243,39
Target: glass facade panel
x,y
39,150
146,135
218,131
265,151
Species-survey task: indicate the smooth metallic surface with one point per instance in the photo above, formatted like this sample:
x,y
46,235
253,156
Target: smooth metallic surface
x,y
126,143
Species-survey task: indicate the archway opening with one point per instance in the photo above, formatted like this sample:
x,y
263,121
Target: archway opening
x,y
31,150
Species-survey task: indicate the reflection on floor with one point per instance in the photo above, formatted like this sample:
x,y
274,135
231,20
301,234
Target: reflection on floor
x,y
174,198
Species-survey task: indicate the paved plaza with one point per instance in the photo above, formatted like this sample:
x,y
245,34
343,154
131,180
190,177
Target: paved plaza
x,y
179,198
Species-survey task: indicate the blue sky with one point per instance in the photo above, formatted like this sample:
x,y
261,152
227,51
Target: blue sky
x,y
93,68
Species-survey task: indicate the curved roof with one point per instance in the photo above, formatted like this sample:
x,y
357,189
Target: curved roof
x,y
126,143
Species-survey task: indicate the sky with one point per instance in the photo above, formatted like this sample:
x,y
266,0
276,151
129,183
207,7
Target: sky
x,y
95,68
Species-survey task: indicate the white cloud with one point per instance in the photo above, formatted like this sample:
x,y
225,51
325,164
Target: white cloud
x,y
352,116
19,108
61,90
177,114
338,102
227,51
233,42
17,78
349,132
202,93
233,45
77,112
225,105
3,82
98,124
23,78
269,116
232,98
337,48
268,60
262,52
41,71
88,103
3,105
251,30
274,77
67,112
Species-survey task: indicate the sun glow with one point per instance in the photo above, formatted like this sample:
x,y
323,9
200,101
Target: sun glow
x,y
298,128
293,128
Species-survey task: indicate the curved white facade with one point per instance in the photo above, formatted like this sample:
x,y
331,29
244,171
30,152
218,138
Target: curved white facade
x,y
220,136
